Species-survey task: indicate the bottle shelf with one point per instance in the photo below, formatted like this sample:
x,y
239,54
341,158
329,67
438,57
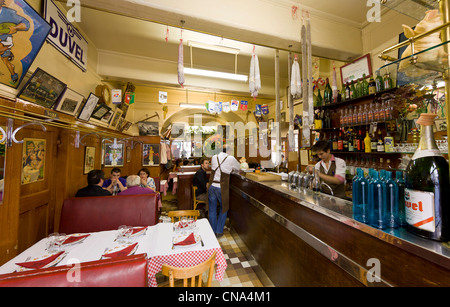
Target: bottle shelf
x,y
353,101
368,153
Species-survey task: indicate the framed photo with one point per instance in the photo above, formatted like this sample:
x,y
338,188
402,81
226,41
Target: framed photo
x,y
115,120
113,156
148,128
42,89
100,111
150,154
356,69
33,160
70,102
126,126
128,154
22,47
89,159
88,107
107,117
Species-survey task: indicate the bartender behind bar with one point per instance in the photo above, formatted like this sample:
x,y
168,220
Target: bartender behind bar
x,y
331,169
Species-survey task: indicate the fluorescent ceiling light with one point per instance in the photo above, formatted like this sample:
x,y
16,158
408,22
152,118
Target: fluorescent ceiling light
x,y
215,74
193,106
218,48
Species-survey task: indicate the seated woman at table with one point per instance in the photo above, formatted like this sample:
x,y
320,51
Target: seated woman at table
x,y
134,187
146,180
177,166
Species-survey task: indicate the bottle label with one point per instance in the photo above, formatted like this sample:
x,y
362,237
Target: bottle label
x,y
419,209
422,153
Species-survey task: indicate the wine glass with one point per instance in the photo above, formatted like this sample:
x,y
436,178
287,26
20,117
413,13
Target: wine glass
x,y
51,242
59,240
122,231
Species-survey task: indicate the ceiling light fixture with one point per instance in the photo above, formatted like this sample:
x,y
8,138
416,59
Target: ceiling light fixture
x,y
215,74
218,48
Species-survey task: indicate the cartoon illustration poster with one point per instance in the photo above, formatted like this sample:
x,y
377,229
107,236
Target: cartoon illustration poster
x,y
22,33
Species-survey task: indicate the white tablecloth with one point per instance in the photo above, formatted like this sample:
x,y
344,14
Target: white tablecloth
x,y
156,243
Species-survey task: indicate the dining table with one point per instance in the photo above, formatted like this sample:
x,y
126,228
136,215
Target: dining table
x,y
158,242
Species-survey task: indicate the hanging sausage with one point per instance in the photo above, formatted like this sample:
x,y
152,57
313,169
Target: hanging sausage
x,y
254,80
296,82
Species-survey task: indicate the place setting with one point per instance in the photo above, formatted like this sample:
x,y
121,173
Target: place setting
x,y
185,234
125,237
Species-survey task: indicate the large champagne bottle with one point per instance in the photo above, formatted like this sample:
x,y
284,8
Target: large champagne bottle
x,y
427,186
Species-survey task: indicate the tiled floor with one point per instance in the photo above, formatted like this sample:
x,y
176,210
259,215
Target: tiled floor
x,y
242,269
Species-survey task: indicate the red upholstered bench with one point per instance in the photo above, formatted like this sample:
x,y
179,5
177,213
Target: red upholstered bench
x,y
128,271
92,214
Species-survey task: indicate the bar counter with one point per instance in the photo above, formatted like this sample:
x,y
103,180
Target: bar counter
x,y
300,238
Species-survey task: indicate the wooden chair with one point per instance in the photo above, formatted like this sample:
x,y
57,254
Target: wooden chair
x,y
196,201
190,273
183,213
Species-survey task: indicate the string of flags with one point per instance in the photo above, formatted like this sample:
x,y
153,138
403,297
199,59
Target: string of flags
x,y
234,106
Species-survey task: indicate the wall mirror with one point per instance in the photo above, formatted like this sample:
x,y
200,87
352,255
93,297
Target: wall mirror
x,y
2,162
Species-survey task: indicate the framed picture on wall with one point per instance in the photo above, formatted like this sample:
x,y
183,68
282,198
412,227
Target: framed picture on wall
x,y
116,118
89,159
113,156
150,154
21,47
69,102
42,89
33,161
88,107
107,117
100,111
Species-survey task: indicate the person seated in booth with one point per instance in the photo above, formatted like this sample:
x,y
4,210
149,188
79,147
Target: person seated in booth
x,y
145,180
200,181
115,184
177,166
134,187
331,169
94,187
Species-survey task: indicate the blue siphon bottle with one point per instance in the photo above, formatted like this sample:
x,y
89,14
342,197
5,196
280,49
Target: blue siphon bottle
x,y
401,197
377,215
392,201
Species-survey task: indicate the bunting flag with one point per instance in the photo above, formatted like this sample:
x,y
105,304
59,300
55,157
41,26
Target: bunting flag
x,y
211,106
234,105
129,98
218,107
265,109
244,105
226,107
258,110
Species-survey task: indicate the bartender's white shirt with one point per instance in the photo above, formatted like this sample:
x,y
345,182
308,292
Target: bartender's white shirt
x,y
340,167
227,166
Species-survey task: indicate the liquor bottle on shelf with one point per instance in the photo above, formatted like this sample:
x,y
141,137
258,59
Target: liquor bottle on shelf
x,y
327,93
377,202
372,86
389,110
365,118
341,118
426,187
319,100
370,113
351,147
387,81
374,164
360,193
360,114
317,121
388,143
366,167
380,143
345,141
327,120
381,112
340,144
355,116
401,197
358,141
379,83
343,94
358,88
367,143
361,141
376,113
364,86
335,145
353,91
373,143
348,92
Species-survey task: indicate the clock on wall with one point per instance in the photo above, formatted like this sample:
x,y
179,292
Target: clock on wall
x,y
104,92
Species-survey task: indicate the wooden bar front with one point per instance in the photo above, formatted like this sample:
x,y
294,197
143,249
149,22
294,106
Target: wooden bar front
x,y
303,239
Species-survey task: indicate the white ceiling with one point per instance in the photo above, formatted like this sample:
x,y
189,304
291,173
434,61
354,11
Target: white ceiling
x,y
142,38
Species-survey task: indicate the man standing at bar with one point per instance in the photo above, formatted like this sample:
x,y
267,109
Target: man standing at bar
x,y
222,165
331,169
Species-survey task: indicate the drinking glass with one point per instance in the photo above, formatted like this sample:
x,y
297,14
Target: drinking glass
x,y
59,240
51,242
122,231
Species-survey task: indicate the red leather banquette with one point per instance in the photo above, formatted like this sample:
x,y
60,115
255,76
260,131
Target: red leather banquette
x,y
128,271
92,214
